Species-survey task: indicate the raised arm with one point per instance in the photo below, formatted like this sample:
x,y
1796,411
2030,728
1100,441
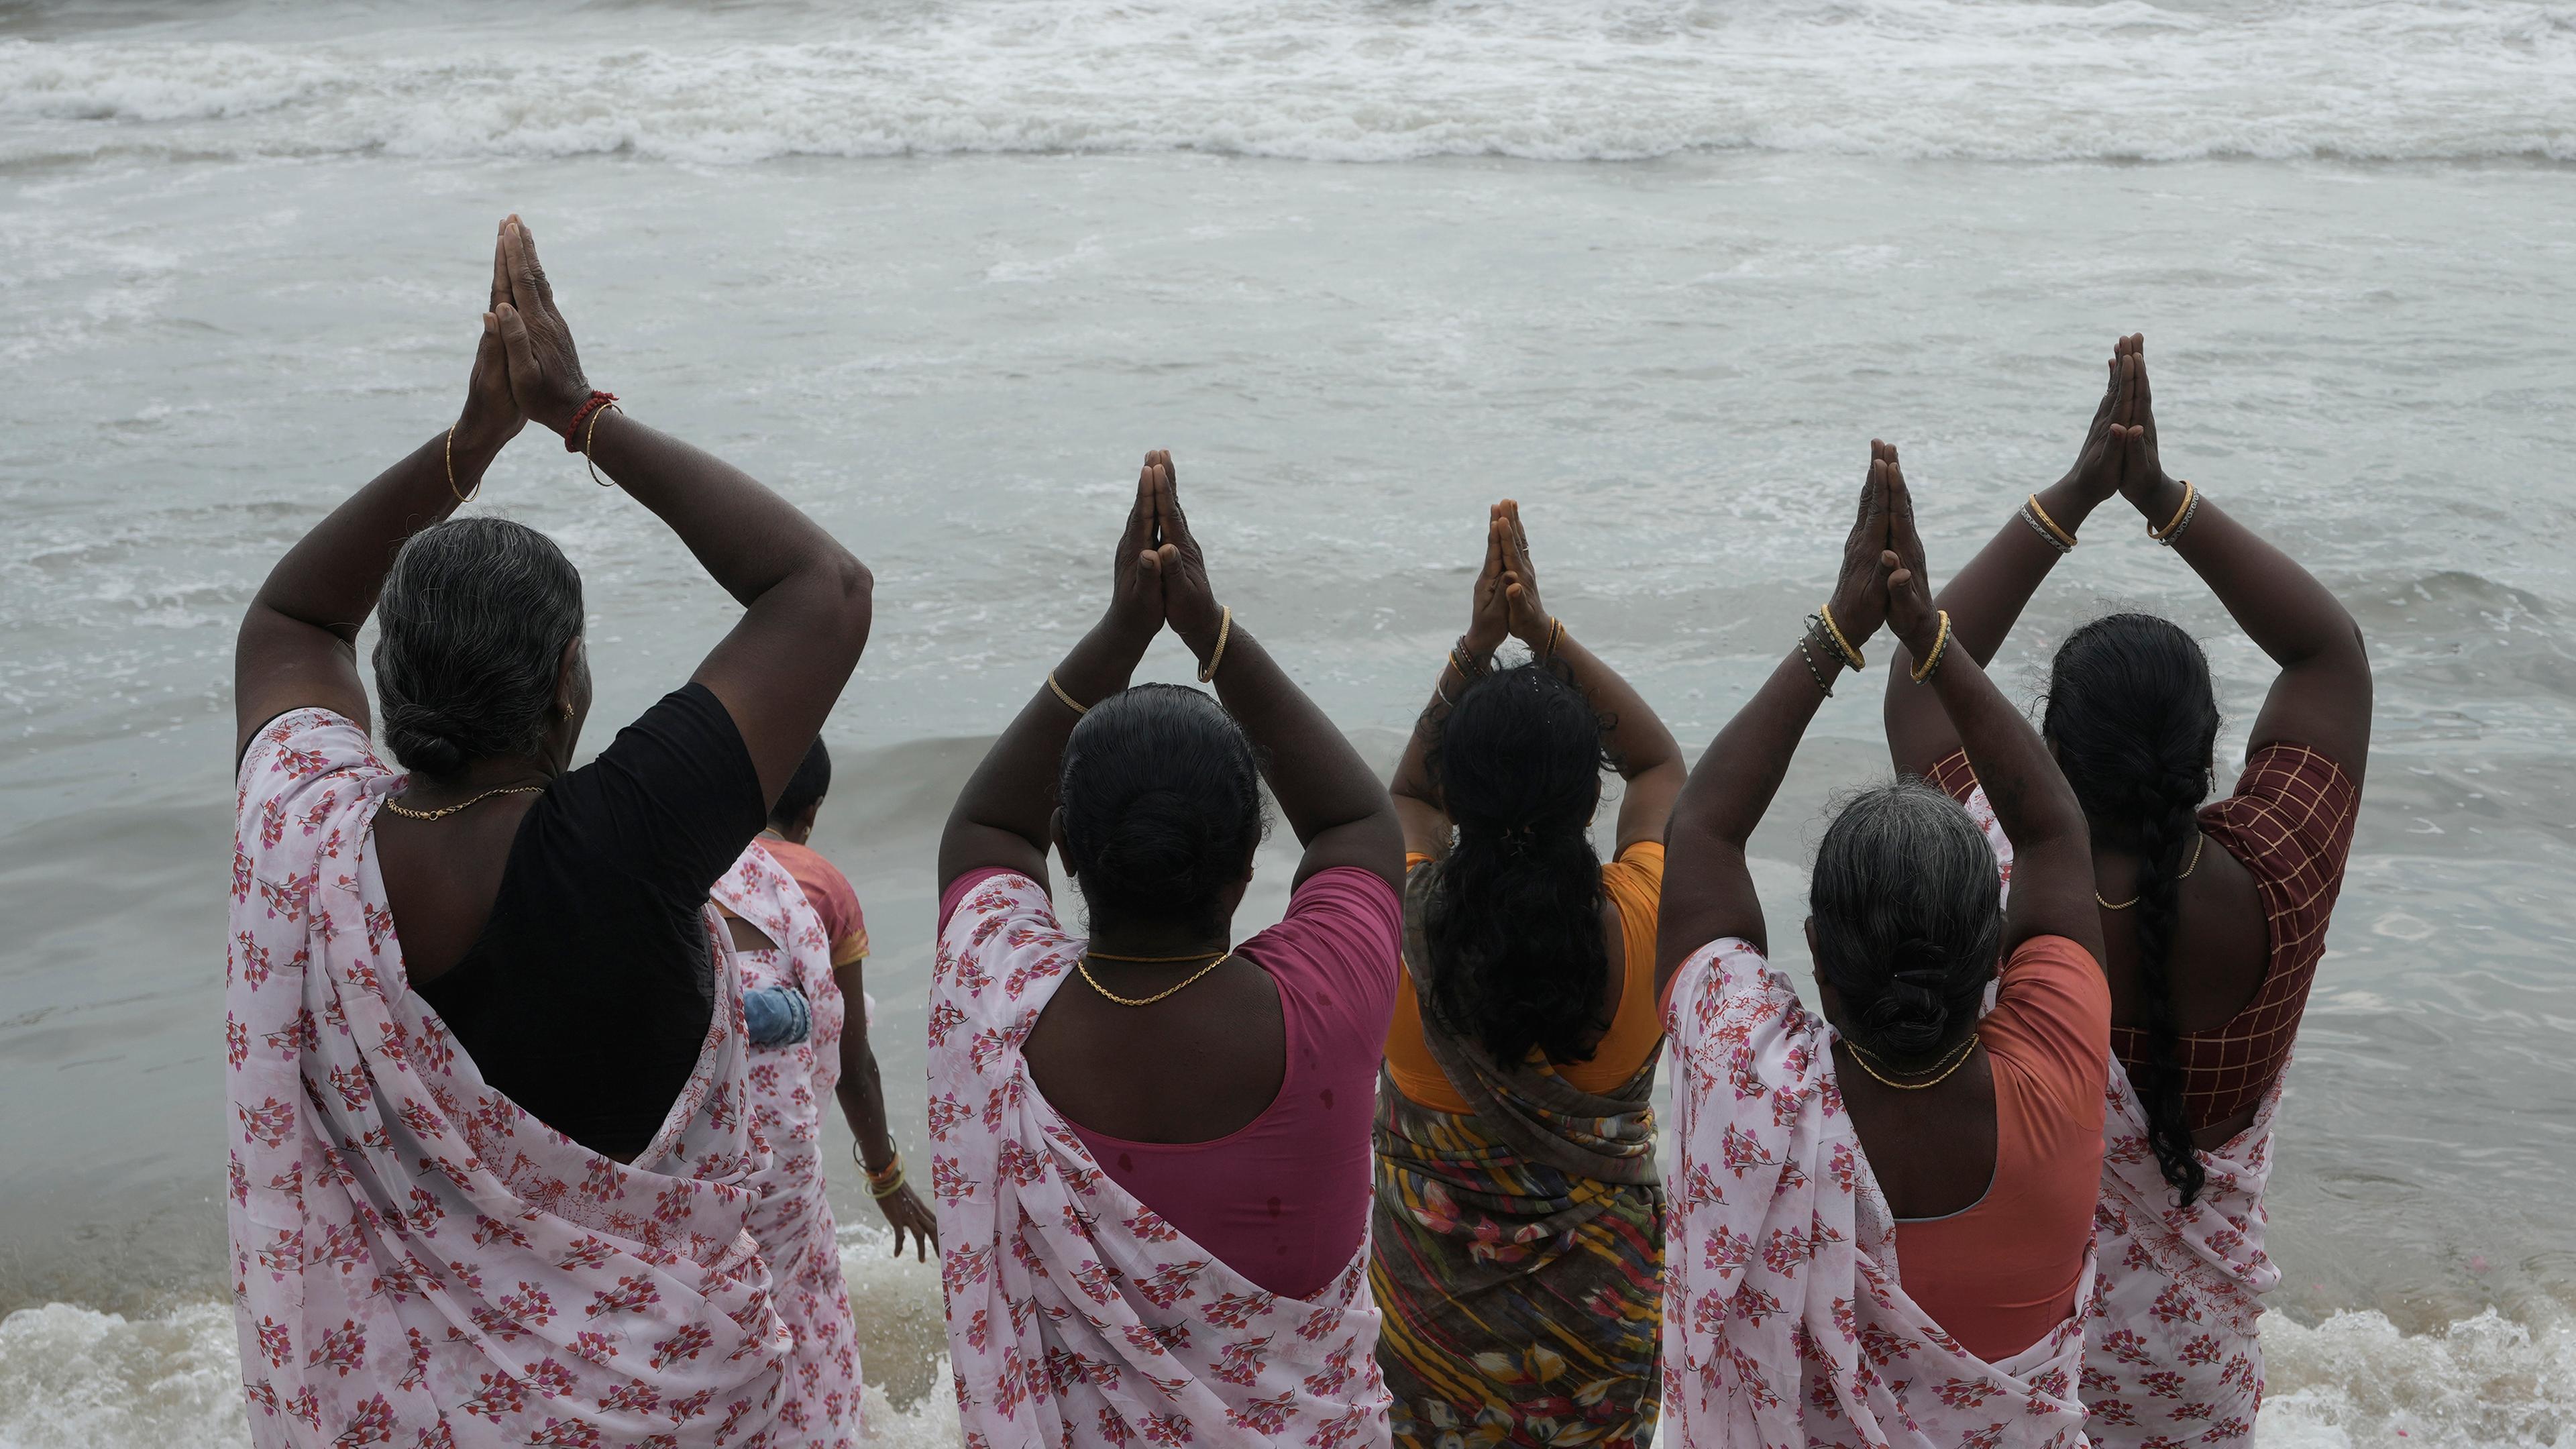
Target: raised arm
x,y
1331,797
2322,696
1708,887
806,601
1986,598
1506,602
298,646
1003,818
2052,887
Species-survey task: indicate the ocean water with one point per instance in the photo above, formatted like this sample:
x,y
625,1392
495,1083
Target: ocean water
x,y
944,271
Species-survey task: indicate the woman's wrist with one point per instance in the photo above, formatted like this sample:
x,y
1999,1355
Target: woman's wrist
x,y
2160,501
1200,639
2068,503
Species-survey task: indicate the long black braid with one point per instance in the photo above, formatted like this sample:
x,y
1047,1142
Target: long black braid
x,y
2134,721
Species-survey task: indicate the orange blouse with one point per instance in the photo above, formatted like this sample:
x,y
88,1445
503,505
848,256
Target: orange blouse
x,y
2000,1274
1635,884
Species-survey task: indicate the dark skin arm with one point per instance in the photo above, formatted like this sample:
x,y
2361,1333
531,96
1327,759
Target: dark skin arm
x,y
862,1094
1986,598
1332,799
2321,697
1004,817
1506,602
298,646
1708,887
805,599
2052,893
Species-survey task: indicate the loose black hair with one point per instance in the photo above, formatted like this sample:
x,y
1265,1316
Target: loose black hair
x,y
1908,913
1162,806
812,780
2135,725
1512,919
475,616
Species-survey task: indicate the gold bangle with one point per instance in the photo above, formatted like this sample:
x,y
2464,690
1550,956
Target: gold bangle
x,y
1834,633
886,1186
1216,656
1940,646
2182,514
1555,636
451,469
2065,541
589,433
1071,703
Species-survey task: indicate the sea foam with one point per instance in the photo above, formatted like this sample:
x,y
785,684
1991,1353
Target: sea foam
x,y
1338,80
75,1378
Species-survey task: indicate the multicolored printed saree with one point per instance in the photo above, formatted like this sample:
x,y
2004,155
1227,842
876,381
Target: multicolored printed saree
x,y
1517,1252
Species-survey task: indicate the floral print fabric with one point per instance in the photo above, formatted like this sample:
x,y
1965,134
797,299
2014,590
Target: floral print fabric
x,y
2170,1356
1785,1318
1076,1314
416,1261
819,1404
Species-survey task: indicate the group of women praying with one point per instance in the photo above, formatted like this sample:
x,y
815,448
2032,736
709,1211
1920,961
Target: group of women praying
x,y
527,1060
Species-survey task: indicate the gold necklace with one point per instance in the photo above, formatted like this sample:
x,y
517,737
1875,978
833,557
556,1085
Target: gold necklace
x,y
443,811
1956,1060
1084,966
2197,842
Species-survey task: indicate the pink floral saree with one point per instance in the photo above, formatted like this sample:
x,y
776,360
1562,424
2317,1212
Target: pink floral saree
x,y
1785,1319
789,1088
416,1261
1076,1314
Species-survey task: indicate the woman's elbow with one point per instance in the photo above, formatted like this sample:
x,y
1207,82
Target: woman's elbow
x,y
853,598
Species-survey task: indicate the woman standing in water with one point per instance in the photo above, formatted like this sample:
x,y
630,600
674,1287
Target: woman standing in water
x,y
1150,1147
488,1176
1882,1216
2210,951
1517,1246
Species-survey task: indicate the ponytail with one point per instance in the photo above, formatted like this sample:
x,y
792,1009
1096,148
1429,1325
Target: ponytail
x,y
2134,722
1512,915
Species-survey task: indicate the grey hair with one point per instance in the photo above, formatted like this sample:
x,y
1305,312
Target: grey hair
x,y
476,614
1909,918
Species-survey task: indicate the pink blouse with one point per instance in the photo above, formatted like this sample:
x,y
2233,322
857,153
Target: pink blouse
x,y
1284,1199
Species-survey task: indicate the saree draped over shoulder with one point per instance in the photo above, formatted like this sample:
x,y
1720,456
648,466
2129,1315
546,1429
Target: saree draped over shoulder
x,y
2172,1355
789,1087
1517,1250
1785,1318
1076,1314
416,1261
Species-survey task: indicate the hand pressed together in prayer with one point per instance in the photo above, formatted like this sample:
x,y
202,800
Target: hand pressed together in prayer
x,y
1910,615
545,372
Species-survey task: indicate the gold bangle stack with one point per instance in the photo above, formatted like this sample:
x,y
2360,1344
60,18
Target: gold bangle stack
x,y
2037,517
881,1185
1940,647
1216,656
1071,703
1555,636
1834,636
2182,517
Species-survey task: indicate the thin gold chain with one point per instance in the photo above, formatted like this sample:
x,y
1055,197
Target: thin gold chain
x,y
444,811
1084,966
2197,842
1958,1060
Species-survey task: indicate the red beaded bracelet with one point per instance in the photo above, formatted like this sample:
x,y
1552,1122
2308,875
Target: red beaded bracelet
x,y
572,430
